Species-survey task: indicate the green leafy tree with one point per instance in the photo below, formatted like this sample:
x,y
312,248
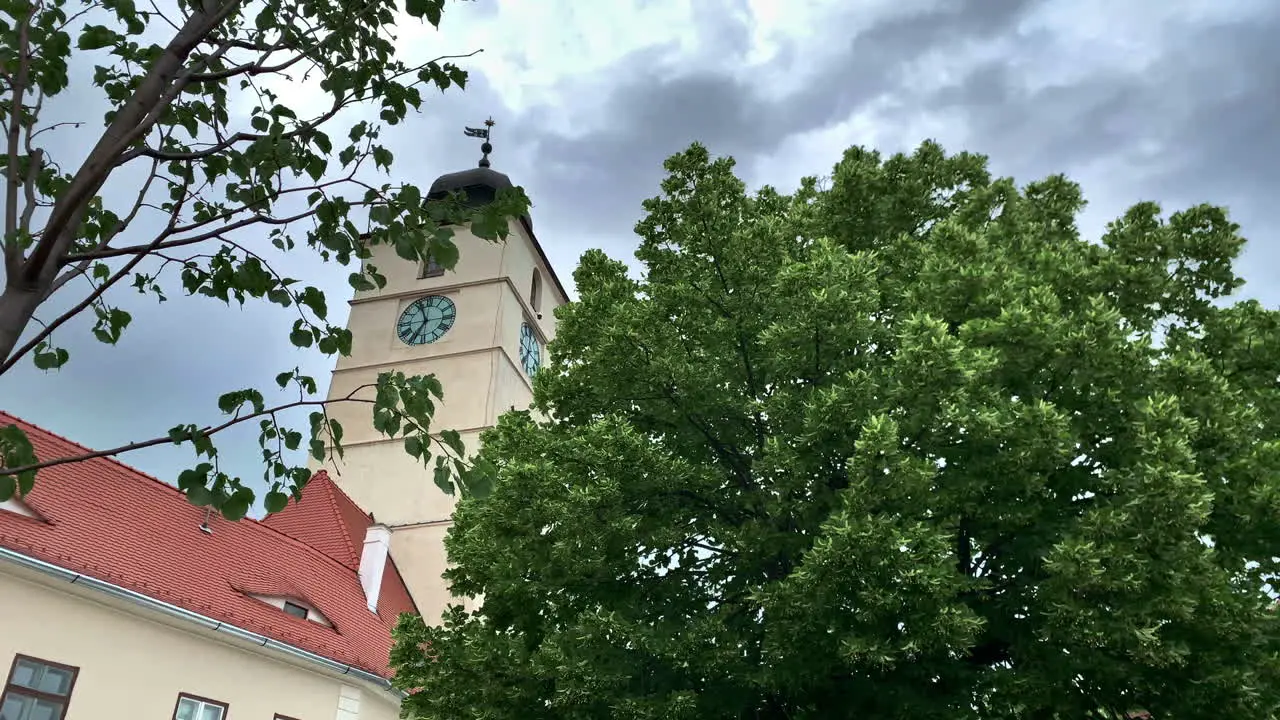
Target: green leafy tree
x,y
215,190
901,447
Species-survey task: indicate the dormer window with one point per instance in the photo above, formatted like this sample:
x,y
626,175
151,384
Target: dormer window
x,y
295,607
430,269
16,506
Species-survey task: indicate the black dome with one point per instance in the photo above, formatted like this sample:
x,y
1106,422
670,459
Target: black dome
x,y
480,184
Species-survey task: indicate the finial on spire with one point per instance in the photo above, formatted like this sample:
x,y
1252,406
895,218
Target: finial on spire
x,y
485,133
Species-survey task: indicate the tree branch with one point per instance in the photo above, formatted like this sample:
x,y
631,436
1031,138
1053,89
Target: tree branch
x,y
223,144
162,84
90,299
208,430
12,252
143,250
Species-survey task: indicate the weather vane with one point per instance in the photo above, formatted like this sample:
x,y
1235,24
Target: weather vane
x,y
483,132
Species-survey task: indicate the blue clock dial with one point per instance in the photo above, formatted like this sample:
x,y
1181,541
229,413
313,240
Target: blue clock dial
x,y
426,320
530,350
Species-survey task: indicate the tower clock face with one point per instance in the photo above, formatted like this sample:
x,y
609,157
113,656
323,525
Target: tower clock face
x,y
530,350
426,320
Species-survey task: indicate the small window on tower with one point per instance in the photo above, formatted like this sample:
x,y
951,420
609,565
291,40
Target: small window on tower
x,y
431,269
295,610
535,291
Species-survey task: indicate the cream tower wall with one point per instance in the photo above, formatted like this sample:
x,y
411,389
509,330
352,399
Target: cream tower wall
x,y
477,362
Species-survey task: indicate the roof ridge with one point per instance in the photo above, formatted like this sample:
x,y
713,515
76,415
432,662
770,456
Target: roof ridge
x,y
337,511
343,494
166,486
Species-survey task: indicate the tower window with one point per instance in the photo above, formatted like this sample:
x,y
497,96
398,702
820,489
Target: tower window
x,y
430,269
535,291
295,610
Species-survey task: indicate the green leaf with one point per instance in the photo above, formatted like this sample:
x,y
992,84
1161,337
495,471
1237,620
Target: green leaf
x,y
315,300
49,358
452,439
445,253
237,506
111,324
301,337
94,37
275,501
199,495
265,19
443,478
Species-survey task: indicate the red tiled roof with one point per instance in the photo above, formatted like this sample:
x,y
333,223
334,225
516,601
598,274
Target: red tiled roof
x,y
327,520
109,521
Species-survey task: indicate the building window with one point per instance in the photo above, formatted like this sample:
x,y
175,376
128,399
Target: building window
x,y
535,291
295,610
431,269
283,717
194,707
37,690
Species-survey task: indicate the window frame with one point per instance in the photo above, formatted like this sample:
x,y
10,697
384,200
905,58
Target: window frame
x,y
430,269
226,707
535,291
64,700
278,716
306,612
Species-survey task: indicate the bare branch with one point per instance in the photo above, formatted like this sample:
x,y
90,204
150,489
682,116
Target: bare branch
x,y
254,68
55,126
209,430
156,9
82,265
240,137
160,244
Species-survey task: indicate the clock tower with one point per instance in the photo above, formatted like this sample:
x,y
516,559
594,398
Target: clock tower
x,y
482,329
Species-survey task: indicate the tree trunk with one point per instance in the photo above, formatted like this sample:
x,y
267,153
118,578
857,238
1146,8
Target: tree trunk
x,y
17,306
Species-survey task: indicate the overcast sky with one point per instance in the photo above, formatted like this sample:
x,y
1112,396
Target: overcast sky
x,y
1169,100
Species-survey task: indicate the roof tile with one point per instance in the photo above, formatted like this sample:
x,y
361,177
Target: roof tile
x,y
106,520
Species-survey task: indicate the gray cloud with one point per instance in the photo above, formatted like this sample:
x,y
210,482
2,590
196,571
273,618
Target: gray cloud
x,y
1195,123
655,107
1199,123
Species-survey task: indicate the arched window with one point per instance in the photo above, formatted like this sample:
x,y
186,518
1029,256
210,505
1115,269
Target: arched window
x,y
535,291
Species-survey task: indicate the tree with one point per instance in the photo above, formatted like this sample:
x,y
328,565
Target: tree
x,y
903,446
216,190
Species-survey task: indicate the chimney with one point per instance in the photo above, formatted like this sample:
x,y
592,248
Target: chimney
x,y
373,561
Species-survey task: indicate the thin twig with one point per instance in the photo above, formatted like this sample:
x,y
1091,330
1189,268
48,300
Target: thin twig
x,y
208,430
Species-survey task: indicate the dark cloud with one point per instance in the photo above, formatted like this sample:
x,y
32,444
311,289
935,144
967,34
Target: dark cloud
x,y
1200,123
1197,122
655,106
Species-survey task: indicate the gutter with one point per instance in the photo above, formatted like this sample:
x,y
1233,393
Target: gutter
x,y
74,578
